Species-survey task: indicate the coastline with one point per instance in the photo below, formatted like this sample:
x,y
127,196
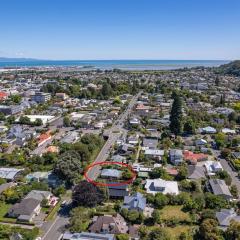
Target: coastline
x,y
111,64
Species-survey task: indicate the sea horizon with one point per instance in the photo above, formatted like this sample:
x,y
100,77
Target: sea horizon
x,y
111,64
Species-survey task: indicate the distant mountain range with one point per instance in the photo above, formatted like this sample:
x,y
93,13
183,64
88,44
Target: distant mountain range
x,y
6,59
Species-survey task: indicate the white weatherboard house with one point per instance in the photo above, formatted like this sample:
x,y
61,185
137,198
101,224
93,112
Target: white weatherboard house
x,y
161,186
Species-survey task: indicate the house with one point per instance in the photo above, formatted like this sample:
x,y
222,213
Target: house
x,y
208,130
118,191
154,186
218,187
118,158
142,110
134,121
213,167
193,158
150,143
71,137
196,172
200,142
111,173
41,97
43,138
225,216
3,96
176,156
228,131
154,154
42,195
26,210
87,236
133,139
10,174
135,202
10,110
49,177
62,96
109,224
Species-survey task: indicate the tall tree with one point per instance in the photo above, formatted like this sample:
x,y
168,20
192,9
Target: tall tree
x,y
86,194
176,118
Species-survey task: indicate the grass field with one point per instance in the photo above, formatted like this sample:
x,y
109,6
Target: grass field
x,y
4,209
174,212
175,232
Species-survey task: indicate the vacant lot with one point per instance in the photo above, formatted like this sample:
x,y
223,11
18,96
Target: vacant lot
x,y
169,213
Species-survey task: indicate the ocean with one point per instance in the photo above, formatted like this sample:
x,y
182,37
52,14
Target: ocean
x,y
114,64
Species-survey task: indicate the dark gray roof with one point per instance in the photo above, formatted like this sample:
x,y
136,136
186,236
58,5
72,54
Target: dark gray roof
x,y
196,172
25,207
225,216
219,187
150,142
118,191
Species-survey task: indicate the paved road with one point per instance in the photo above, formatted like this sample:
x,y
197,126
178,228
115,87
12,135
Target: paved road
x,y
114,134
233,174
54,230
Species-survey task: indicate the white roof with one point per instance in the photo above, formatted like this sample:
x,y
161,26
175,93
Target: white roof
x,y
154,152
228,130
9,173
159,185
44,118
212,167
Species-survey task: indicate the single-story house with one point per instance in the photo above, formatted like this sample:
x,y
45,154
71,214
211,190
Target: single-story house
x,y
208,130
10,174
111,173
87,236
219,188
150,143
159,185
196,172
225,216
26,210
154,154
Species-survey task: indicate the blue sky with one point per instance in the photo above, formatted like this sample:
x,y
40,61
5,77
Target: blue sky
x,y
120,29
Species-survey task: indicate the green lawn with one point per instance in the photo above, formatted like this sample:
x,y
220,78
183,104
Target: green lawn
x,y
176,231
3,212
174,212
4,209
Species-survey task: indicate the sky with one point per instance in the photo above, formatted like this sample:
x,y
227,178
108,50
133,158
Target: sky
x,y
120,29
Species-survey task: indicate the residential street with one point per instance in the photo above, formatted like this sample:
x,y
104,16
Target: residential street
x,y
233,174
115,133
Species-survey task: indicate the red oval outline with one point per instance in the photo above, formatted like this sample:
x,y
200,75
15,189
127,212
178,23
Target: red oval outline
x,y
134,174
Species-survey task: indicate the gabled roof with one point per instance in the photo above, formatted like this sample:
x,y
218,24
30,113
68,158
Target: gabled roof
x,y
25,207
225,216
219,187
195,172
136,201
111,173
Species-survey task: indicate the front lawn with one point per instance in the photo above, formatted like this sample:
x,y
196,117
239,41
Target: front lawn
x,y
4,209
